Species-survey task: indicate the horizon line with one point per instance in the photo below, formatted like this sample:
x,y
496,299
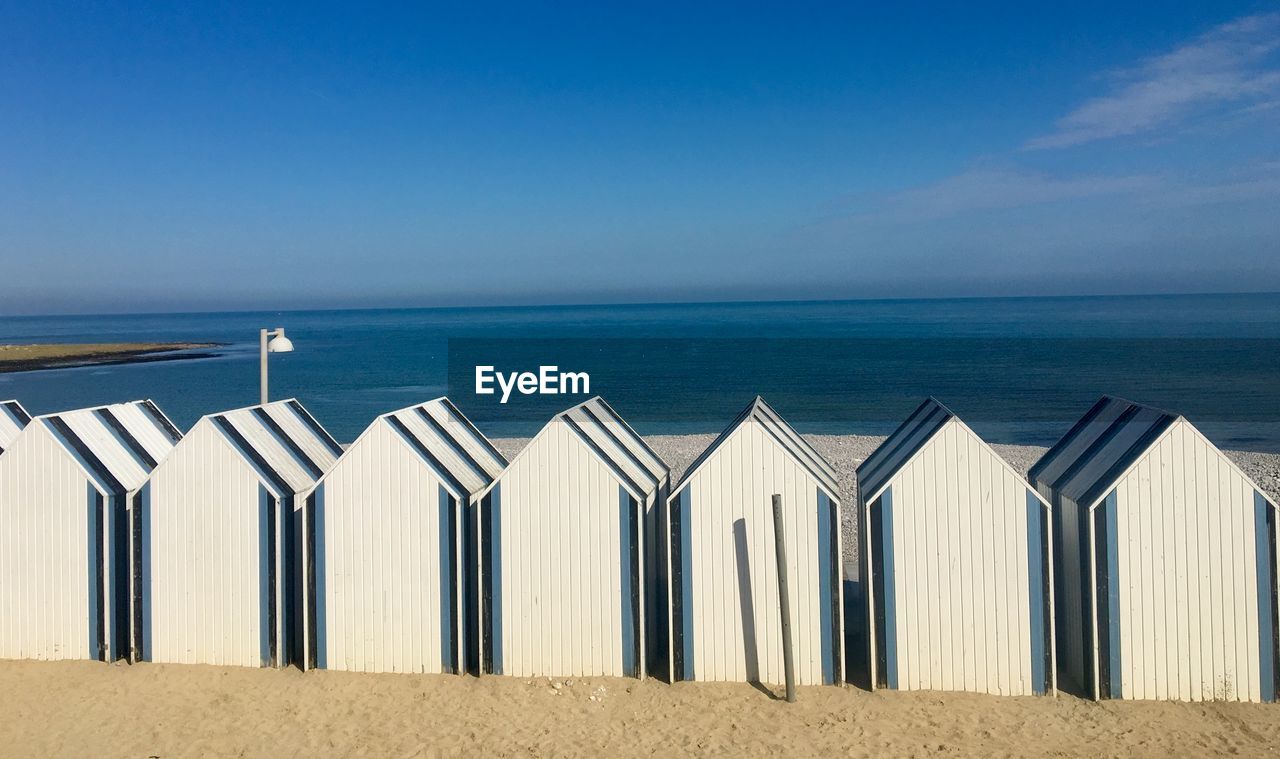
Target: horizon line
x,y
644,304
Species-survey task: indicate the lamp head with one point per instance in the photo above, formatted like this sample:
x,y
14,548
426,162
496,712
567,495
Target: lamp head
x,y
280,343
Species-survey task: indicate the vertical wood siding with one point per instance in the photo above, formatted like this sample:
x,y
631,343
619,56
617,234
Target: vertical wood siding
x,y
206,576
388,544
1188,586
556,566
727,583
960,571
49,586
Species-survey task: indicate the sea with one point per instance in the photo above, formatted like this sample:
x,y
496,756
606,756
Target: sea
x,y
1018,370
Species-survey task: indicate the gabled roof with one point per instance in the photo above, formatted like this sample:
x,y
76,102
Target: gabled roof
x,y
614,442
1107,440
792,442
119,444
282,440
900,447
603,429
443,437
13,417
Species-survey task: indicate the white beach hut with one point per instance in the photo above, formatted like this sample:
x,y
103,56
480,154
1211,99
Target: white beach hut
x,y
221,563
562,550
13,417
957,544
68,483
1167,568
384,543
723,567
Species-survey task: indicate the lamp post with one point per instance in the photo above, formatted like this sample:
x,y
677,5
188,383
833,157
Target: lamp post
x,y
271,341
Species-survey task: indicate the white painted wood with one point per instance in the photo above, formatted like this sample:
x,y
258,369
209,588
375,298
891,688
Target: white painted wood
x,y
1189,623
559,597
205,568
379,560
1185,553
960,574
50,476
205,542
44,550
736,630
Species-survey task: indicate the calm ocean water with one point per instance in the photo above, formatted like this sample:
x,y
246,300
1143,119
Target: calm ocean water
x,y
1019,370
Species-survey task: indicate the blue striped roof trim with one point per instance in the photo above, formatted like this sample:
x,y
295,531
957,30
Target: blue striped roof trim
x,y
786,436
19,413
162,421
440,436
456,414
609,426
279,438
13,418
84,454
123,439
1099,448
900,447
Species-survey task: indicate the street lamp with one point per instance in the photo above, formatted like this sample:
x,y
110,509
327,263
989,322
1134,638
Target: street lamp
x,y
271,341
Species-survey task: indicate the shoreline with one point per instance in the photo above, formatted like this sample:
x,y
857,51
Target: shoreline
x,y
45,356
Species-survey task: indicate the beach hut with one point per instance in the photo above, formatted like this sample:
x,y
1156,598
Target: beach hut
x,y
221,565
68,512
723,568
1167,561
957,564
562,551
13,417
384,543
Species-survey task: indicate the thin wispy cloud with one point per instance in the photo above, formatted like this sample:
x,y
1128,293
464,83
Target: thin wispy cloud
x,y
1234,64
999,189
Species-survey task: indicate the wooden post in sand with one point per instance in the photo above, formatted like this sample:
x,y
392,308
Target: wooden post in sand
x,y
784,599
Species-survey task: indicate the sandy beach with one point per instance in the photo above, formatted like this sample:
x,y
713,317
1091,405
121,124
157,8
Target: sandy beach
x,y
92,709
151,710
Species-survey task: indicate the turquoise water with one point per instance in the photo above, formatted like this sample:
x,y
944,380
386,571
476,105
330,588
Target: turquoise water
x,y
1019,370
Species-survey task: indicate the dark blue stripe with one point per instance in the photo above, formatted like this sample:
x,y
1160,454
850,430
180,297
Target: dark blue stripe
x,y
890,594
495,570
1113,597
436,465
20,416
126,439
1035,587
458,449
290,445
85,457
145,571
321,591
686,582
626,538
94,559
1266,617
162,421
824,587
446,581
264,574
319,431
117,570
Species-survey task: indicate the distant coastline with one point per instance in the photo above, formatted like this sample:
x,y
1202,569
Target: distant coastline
x,y
41,356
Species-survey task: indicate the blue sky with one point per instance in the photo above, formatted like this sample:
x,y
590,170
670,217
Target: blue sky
x,y
157,157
